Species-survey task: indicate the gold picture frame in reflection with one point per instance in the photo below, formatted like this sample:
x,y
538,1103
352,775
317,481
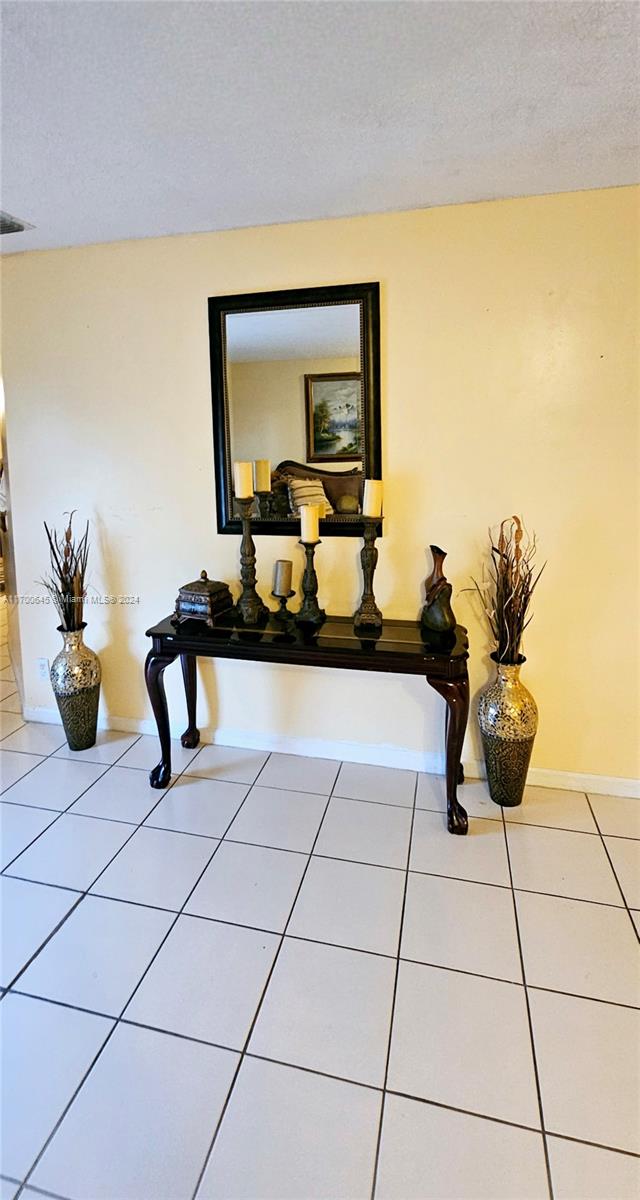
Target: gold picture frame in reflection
x,y
333,417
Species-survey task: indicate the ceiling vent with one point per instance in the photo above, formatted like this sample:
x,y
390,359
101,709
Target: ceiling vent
x,y
9,224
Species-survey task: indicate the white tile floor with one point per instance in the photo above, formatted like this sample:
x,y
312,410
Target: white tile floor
x,y
238,989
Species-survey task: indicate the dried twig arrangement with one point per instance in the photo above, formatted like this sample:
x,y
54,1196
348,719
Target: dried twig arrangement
x,y
66,582
506,593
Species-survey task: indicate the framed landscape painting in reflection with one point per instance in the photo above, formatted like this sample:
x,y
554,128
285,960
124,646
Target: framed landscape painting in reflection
x,y
333,417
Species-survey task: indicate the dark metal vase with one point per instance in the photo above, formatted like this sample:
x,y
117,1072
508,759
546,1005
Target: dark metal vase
x,y
508,719
437,614
75,679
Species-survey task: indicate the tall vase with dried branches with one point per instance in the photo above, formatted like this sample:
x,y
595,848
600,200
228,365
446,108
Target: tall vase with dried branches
x,y
507,712
75,671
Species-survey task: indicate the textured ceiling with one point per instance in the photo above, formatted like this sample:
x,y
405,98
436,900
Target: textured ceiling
x,y
125,120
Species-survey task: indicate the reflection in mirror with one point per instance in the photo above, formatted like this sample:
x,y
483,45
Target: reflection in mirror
x,y
295,389
294,386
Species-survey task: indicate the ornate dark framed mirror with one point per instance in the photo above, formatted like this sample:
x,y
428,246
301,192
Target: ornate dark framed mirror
x,y
295,389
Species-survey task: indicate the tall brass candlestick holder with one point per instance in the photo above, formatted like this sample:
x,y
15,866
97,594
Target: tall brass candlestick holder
x,y
310,612
250,606
368,618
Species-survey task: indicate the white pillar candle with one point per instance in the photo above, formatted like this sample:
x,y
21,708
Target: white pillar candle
x,y
282,577
372,503
262,474
243,480
309,523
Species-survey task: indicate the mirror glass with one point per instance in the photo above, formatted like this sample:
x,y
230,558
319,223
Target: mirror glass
x,y
294,385
296,389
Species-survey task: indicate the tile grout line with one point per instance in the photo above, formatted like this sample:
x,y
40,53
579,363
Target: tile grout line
x,y
336,795
338,1078
434,966
564,1137
63,758
256,1014
180,912
42,944
376,1161
562,828
130,998
281,788
62,887
567,1137
529,1017
469,1112
199,916
41,758
288,850
81,892
48,753
419,807
615,873
291,1066
91,1012
41,1192
6,799
12,731
259,845
61,812
535,987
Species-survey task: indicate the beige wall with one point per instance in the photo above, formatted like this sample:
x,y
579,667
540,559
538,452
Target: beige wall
x,y
267,406
6,541
509,384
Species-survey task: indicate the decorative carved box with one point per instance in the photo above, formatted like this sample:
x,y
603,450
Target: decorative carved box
x,y
202,600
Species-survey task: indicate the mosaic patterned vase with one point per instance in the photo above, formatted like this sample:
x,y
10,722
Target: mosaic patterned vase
x,y
75,678
508,718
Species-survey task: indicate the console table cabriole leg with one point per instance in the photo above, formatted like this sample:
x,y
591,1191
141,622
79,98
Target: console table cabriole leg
x,y
446,735
191,735
153,675
456,694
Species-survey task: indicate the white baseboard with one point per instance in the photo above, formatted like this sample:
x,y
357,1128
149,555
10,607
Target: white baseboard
x,y
380,755
576,781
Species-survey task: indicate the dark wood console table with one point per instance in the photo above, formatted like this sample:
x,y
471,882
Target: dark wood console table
x,y
400,649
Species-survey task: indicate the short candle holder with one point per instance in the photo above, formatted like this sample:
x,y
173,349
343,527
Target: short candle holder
x,y
368,618
264,504
310,612
283,615
251,608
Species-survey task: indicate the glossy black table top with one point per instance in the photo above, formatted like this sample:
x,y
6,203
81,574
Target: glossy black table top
x,y
401,647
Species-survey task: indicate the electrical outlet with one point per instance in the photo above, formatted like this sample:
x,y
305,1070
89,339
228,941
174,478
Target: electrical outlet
x,y
43,668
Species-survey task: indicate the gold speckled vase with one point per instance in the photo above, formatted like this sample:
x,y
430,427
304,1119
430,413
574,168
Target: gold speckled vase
x,y
508,718
75,678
